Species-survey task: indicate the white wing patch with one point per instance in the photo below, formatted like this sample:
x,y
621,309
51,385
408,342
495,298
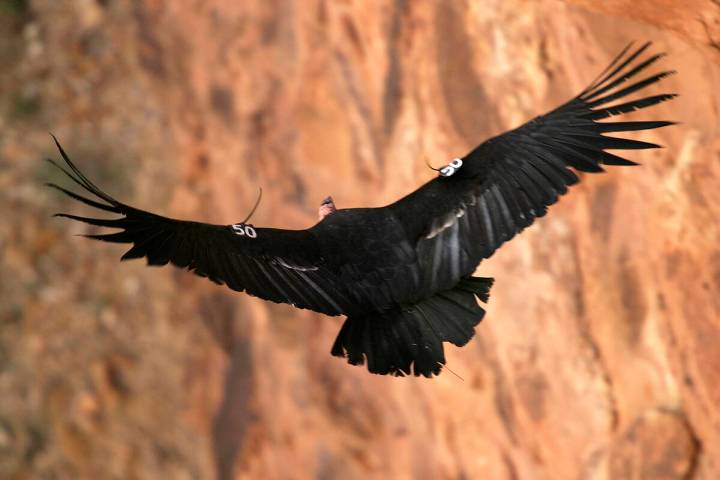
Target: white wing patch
x,y
295,267
442,223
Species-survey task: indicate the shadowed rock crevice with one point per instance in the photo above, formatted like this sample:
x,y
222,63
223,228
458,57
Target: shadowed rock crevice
x,y
392,95
362,116
603,206
151,51
632,297
659,444
236,413
222,101
473,114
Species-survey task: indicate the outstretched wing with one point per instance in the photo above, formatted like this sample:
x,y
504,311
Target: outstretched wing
x,y
284,266
509,180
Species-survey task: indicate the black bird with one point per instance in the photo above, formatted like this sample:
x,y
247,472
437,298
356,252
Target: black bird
x,y
402,274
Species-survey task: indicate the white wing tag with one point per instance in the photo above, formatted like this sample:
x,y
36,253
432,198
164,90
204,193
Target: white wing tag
x,y
244,230
451,167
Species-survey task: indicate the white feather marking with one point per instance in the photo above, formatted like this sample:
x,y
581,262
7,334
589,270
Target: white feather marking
x,y
442,223
488,224
503,207
270,276
290,282
320,291
295,267
454,251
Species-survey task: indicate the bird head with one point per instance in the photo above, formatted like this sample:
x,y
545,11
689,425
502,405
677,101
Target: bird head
x,y
326,207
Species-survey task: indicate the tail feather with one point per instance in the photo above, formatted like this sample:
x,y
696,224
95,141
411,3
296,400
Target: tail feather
x,y
409,340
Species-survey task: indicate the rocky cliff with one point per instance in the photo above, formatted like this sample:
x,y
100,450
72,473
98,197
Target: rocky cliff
x,y
598,358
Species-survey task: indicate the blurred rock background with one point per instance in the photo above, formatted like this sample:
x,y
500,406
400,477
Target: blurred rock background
x,y
598,358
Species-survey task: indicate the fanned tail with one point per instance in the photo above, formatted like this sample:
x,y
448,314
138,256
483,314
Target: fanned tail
x,y
409,340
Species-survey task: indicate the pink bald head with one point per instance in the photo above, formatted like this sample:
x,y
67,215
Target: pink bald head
x,y
326,208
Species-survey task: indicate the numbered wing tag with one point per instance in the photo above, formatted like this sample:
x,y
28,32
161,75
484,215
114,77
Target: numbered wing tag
x,y
451,167
244,230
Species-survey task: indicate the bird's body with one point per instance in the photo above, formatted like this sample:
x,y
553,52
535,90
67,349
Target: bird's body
x,y
402,273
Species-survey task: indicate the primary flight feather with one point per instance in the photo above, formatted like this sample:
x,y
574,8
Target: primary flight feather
x,y
402,273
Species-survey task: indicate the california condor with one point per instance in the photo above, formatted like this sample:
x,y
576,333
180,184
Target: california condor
x,y
402,274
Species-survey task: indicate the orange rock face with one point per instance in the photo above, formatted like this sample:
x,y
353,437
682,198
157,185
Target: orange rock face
x,y
598,358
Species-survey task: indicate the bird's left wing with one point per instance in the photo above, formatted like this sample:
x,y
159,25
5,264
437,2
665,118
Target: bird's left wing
x,y
487,197
284,266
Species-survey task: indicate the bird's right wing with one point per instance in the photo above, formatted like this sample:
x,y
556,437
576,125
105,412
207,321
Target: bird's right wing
x,y
284,266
